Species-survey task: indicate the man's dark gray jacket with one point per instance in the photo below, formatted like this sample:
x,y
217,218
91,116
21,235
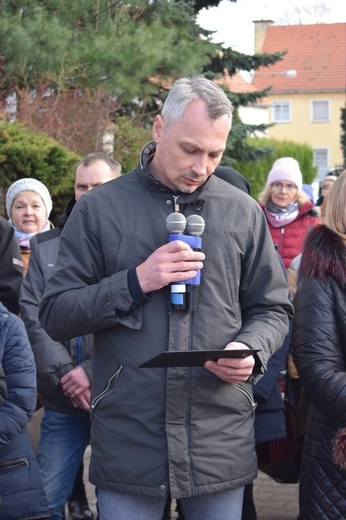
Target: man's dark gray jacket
x,y
178,429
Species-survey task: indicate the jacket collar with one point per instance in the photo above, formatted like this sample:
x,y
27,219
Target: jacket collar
x,y
66,212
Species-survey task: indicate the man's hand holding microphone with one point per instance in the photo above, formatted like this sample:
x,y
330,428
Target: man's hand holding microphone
x,y
175,261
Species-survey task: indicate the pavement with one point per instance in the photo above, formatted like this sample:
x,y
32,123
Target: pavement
x,y
273,501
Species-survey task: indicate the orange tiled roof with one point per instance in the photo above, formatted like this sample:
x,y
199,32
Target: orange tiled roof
x,y
236,83
316,52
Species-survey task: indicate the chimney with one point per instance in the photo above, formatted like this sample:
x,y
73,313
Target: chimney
x,y
261,27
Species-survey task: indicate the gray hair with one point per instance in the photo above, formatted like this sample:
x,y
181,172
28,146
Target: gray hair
x,y
99,156
186,90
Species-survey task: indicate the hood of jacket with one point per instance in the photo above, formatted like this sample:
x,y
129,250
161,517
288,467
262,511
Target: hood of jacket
x,y
327,247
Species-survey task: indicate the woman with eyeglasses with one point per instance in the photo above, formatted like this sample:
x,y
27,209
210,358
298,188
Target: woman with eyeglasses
x,y
288,209
290,214
28,206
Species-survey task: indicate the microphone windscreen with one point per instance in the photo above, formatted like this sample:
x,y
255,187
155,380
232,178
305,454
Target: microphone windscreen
x,y
195,225
176,222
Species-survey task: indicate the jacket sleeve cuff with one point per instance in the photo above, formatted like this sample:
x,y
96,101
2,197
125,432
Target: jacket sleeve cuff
x,y
54,377
138,296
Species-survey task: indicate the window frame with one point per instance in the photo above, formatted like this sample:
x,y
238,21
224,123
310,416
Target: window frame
x,y
322,168
313,118
286,105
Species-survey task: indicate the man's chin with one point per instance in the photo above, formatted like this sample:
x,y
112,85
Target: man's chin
x,y
188,189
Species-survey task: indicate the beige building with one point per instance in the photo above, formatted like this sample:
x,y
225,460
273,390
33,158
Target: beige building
x,y
308,87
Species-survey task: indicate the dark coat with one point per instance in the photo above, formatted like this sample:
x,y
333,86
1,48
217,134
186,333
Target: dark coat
x,y
270,420
3,386
53,359
235,178
21,489
319,348
11,267
180,429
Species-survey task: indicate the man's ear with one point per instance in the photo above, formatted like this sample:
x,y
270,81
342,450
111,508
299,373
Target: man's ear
x,y
157,128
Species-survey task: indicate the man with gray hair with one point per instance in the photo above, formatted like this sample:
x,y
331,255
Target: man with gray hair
x,y
185,430
64,369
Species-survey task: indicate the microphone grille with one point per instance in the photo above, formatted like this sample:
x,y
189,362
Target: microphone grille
x,y
195,225
176,222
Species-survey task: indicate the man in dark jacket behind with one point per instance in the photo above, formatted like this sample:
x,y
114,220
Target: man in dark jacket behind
x,y
64,370
184,430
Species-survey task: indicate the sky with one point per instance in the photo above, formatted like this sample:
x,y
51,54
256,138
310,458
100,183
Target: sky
x,y
234,21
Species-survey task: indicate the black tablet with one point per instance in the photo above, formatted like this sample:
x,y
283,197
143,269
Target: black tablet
x,y
194,358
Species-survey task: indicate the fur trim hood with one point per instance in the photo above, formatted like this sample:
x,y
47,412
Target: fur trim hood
x,y
324,255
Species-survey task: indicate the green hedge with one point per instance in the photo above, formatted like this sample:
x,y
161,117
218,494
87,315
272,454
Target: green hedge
x,y
25,153
257,172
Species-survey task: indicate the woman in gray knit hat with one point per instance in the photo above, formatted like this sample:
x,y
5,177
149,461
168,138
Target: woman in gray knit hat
x,y
28,206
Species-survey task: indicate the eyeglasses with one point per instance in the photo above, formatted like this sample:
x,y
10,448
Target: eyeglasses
x,y
278,186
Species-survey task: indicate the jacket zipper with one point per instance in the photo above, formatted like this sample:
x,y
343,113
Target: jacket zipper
x,y
112,381
13,464
176,204
281,243
247,394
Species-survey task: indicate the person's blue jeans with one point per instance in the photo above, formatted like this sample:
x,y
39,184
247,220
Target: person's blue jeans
x,y
226,505
61,449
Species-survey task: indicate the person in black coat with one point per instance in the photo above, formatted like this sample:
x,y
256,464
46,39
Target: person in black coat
x,y
21,488
319,349
11,267
235,178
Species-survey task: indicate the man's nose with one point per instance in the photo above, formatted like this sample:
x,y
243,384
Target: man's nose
x,y
200,166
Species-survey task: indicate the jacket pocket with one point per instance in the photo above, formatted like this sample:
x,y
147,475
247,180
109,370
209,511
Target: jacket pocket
x,y
247,394
13,464
110,385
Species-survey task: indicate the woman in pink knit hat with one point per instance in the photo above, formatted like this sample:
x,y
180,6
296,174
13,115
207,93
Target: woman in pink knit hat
x,y
290,214
288,209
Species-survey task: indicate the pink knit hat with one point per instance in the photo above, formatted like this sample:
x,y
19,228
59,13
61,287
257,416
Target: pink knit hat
x,y
286,169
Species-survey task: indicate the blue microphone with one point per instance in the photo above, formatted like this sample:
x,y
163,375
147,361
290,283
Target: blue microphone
x,y
194,228
185,295
176,224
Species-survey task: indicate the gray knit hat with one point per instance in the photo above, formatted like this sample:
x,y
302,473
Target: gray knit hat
x,y
27,184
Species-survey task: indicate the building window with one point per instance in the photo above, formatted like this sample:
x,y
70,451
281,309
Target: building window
x,y
321,161
281,112
320,111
